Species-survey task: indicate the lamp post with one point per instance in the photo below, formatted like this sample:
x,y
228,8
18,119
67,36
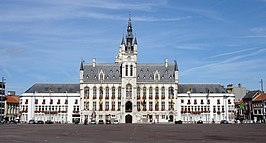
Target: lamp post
x,y
2,94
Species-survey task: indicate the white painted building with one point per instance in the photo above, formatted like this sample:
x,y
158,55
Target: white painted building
x,y
129,92
55,102
206,102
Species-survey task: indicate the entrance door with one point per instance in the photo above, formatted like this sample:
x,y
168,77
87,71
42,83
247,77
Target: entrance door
x,y
171,118
128,119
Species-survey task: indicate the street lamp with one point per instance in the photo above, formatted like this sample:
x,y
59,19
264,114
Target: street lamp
x,y
2,94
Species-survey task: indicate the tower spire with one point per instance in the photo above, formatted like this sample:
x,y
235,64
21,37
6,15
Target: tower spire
x,y
129,36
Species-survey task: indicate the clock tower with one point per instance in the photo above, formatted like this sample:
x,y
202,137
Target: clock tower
x,y
127,58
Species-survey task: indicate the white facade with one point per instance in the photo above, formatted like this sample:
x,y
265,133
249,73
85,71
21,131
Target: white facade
x,y
208,107
130,92
57,107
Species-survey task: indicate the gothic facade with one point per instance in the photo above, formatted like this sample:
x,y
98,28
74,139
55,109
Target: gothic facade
x,y
126,90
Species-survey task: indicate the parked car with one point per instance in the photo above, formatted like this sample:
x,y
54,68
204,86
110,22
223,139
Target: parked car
x,y
93,121
178,122
199,122
31,121
40,122
224,122
49,122
108,122
116,122
100,122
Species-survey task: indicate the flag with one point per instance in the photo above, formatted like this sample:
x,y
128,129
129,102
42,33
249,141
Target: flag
x,y
241,105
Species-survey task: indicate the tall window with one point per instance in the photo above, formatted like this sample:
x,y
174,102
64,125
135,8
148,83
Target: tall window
x,y
101,76
138,92
86,105
126,70
113,92
94,105
106,105
107,92
131,70
150,106
144,92
157,93
163,106
113,106
163,92
119,92
171,92
129,91
94,92
157,106
101,92
86,92
150,93
119,106
138,106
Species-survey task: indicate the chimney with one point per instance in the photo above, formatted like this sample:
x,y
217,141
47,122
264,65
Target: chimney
x,y
166,62
93,62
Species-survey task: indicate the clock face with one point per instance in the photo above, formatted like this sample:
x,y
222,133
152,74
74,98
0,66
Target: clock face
x,y
128,58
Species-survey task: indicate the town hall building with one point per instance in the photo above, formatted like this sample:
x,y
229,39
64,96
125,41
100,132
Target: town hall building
x,y
129,92
126,90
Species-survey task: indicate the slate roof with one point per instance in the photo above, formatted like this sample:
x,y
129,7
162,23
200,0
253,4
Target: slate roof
x,y
111,73
251,94
55,88
145,72
201,88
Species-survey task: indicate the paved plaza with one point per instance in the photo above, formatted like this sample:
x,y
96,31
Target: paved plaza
x,y
160,133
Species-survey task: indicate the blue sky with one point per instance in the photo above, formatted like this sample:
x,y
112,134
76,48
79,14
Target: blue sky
x,y
213,41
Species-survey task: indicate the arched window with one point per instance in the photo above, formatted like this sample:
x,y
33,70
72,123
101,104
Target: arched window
x,y
94,92
156,92
113,92
107,92
129,91
171,92
126,70
101,93
144,92
163,92
101,76
138,92
119,92
86,92
150,93
131,70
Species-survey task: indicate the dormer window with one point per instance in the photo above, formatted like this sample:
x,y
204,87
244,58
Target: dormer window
x,y
101,76
156,76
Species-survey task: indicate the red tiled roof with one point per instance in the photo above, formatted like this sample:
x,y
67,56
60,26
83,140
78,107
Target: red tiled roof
x,y
239,102
260,97
12,99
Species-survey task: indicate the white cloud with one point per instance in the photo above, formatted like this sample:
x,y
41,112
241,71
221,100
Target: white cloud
x,y
231,53
224,64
